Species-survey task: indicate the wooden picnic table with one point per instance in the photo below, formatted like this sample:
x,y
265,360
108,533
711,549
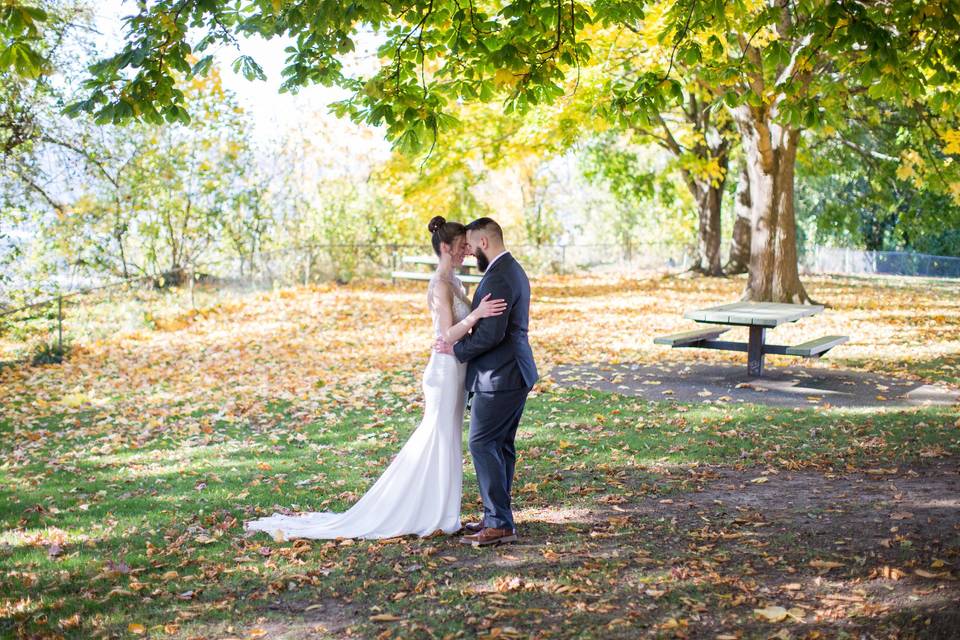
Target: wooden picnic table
x,y
757,317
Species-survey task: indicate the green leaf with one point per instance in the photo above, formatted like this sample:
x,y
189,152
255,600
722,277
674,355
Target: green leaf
x,y
248,67
202,66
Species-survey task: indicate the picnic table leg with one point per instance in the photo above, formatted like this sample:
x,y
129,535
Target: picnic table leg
x,y
755,351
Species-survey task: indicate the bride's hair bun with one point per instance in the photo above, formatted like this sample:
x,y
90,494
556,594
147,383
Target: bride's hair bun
x,y
436,224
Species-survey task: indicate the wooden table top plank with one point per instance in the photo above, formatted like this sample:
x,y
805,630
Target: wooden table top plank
x,y
761,314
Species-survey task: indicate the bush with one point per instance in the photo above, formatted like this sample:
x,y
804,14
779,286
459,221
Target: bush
x,y
49,352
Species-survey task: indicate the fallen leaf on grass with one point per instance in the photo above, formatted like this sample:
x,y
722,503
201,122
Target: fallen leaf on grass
x,y
771,613
507,583
257,633
890,573
137,628
673,623
825,564
901,515
760,480
923,573
385,617
73,622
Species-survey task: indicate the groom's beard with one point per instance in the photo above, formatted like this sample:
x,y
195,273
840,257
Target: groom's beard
x,y
482,261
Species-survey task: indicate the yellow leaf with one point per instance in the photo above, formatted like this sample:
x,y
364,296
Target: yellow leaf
x,y
952,138
772,613
504,78
825,564
760,480
671,623
257,632
75,399
137,628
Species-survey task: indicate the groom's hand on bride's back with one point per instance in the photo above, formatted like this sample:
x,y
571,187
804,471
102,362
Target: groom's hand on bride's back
x,y
441,346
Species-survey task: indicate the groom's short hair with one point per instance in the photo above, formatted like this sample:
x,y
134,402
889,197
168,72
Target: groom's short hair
x,y
487,225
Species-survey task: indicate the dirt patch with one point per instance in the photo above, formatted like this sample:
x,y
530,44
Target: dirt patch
x,y
712,552
793,386
298,617
874,553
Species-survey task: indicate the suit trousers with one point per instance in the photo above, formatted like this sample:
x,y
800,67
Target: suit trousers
x,y
494,417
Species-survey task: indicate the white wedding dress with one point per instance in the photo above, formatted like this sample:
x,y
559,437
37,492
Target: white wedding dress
x,y
419,493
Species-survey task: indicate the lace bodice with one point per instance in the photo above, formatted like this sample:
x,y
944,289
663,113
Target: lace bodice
x,y
461,303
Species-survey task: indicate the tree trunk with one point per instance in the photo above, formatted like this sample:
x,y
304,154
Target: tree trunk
x,y
709,199
118,236
739,258
771,151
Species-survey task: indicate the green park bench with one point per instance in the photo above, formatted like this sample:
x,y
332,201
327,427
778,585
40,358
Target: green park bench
x,y
432,261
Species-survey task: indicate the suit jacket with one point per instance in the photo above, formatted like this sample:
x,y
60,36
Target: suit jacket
x,y
497,352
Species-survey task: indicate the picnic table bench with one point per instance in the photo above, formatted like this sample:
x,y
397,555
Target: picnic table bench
x,y
758,317
465,277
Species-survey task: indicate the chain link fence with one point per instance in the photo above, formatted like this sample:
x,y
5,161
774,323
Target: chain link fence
x,y
343,263
895,263
87,303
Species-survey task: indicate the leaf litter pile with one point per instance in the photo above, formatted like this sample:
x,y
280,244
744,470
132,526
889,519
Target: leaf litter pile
x,y
129,470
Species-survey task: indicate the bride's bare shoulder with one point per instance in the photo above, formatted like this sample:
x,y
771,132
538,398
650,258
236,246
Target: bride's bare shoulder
x,y
441,288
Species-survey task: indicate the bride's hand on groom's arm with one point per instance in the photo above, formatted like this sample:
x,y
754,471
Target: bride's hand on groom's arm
x,y
487,334
442,346
487,309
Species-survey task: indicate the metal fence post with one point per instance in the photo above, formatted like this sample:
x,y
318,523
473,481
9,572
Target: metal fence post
x,y
60,324
193,277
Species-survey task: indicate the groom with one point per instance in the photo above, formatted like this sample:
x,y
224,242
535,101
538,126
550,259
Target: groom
x,y
500,374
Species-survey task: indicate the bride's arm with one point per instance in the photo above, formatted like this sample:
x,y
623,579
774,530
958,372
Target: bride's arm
x,y
443,302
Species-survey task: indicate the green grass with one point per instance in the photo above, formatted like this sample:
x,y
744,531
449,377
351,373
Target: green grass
x,y
142,523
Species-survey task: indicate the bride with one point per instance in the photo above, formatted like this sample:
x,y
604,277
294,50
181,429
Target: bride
x,y
419,493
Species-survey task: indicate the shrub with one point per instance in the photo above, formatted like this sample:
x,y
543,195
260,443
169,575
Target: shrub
x,y
49,352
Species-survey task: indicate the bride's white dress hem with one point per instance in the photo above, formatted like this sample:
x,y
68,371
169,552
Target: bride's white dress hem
x,y
419,492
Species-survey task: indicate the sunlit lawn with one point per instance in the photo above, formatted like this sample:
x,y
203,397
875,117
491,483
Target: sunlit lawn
x,y
128,470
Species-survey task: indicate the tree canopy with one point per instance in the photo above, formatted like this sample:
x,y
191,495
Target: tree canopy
x,y
774,69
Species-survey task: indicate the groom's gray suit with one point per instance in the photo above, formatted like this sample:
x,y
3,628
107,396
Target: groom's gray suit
x,y
500,374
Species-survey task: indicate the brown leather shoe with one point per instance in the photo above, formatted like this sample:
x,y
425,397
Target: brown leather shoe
x,y
490,535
